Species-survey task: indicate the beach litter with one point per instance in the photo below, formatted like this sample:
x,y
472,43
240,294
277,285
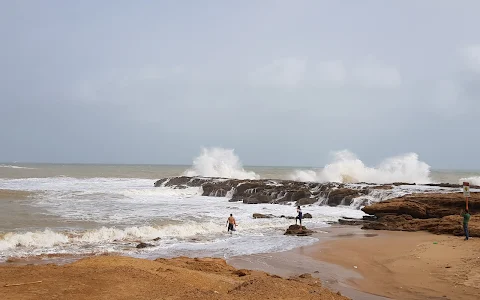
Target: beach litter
x,y
24,283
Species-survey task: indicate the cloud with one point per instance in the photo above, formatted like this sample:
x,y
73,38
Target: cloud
x,y
471,56
447,99
286,72
373,74
331,72
100,87
293,72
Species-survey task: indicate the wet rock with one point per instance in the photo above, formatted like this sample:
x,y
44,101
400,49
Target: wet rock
x,y
399,207
307,216
306,201
342,196
144,245
257,199
298,230
237,199
156,239
369,218
302,194
351,222
262,216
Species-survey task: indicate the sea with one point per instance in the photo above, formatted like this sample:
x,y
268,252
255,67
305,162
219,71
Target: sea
x,y
50,211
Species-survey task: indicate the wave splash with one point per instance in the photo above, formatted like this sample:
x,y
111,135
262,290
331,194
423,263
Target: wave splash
x,y
219,162
347,168
475,180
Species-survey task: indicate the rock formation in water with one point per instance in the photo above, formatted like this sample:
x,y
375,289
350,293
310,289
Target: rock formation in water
x,y
298,230
436,213
287,191
432,207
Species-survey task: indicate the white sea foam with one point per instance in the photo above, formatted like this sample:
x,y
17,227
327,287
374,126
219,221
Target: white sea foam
x,y
39,239
347,168
475,180
219,162
15,167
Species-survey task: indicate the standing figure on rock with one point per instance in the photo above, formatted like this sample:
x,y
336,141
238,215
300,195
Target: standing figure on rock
x,y
466,218
299,216
231,223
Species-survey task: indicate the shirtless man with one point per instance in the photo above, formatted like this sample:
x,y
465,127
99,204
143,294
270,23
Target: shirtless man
x,y
230,223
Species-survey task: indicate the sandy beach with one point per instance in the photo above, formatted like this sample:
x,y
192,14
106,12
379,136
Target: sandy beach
x,y
371,265
116,277
359,264
413,265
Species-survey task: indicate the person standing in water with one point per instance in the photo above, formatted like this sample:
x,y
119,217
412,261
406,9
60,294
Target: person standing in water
x,y
231,223
299,216
466,218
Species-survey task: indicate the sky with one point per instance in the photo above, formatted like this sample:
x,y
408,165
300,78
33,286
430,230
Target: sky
x,y
281,82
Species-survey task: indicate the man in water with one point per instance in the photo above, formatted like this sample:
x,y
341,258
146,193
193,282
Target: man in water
x,y
231,223
299,216
466,218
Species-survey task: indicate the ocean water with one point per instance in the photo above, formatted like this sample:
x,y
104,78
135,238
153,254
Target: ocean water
x,y
54,209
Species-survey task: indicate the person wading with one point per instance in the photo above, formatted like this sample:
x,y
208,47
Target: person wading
x,y
231,223
299,216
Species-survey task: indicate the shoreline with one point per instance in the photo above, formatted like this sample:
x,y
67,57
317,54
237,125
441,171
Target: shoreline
x,y
299,260
396,264
360,264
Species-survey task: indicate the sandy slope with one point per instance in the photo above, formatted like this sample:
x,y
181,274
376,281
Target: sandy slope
x,y
115,277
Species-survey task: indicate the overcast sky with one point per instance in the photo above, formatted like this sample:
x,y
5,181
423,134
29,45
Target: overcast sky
x,y
281,82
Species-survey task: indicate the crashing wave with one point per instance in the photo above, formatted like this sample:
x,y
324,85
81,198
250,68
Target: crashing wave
x,y
219,162
347,168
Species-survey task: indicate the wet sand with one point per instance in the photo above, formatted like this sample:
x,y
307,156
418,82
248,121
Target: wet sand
x,y
407,265
378,265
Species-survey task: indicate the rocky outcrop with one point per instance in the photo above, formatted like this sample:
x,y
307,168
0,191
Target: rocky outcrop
x,y
298,230
262,216
144,245
287,191
425,206
436,213
269,216
343,196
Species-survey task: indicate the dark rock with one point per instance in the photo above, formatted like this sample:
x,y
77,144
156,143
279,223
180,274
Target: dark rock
x,y
351,222
144,245
242,272
306,201
342,196
402,183
302,194
257,199
243,187
237,199
262,216
156,239
413,208
298,230
307,216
